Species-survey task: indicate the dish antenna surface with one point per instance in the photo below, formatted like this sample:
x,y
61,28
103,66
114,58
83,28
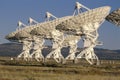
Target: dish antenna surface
x,y
114,17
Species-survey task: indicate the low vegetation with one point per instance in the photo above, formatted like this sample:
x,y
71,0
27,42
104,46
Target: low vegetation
x,y
22,70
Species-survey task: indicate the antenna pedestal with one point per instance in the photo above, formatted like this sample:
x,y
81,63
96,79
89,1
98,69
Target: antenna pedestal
x,y
58,39
37,49
25,55
56,55
90,41
72,43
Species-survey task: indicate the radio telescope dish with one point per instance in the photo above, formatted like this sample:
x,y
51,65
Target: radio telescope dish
x,y
114,17
21,35
37,29
84,21
18,34
47,27
86,24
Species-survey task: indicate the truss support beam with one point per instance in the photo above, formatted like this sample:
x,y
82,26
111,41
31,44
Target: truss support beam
x,y
72,43
25,54
58,39
78,8
32,21
20,25
37,49
48,16
90,41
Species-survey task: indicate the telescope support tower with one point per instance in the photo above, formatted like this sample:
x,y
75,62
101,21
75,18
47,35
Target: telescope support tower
x,y
58,39
90,41
25,54
37,49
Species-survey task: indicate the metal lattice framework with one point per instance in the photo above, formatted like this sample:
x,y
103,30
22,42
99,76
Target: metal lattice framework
x,y
65,31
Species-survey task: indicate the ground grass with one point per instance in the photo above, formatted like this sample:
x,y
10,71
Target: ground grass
x,y
21,70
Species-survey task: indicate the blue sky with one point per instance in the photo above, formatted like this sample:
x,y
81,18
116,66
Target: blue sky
x,y
11,11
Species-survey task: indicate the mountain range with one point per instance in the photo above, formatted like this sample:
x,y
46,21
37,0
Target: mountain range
x,y
13,49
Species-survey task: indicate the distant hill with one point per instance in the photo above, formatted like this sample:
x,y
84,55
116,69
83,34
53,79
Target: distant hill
x,y
10,49
107,54
13,49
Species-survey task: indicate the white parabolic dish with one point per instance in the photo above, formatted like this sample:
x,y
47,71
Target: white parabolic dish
x,y
114,17
83,21
69,23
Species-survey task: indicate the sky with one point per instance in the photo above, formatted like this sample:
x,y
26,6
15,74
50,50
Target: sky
x,y
11,11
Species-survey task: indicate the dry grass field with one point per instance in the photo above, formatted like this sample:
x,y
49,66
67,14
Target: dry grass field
x,y
21,70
